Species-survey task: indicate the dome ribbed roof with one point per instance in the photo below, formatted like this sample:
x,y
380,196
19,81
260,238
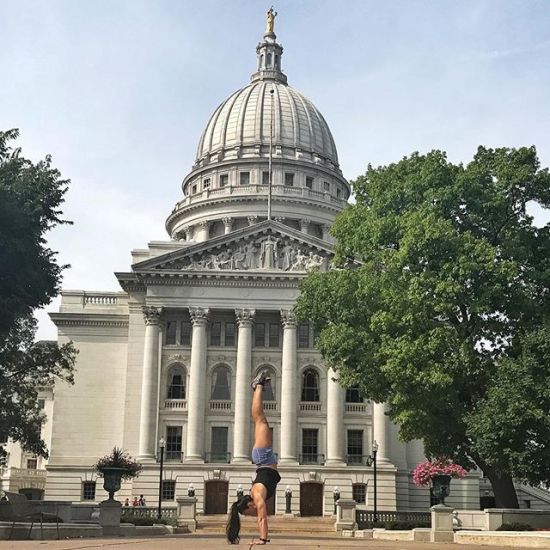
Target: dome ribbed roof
x,y
244,120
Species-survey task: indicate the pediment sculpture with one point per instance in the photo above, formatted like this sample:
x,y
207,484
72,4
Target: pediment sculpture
x,y
269,253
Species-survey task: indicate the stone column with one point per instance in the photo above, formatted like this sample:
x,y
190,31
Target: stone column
x,y
381,432
335,421
289,388
197,378
304,224
149,384
326,235
189,232
243,392
228,224
201,231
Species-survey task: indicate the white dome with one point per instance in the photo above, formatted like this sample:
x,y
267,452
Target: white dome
x,y
243,120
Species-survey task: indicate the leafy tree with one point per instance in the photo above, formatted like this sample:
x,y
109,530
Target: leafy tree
x,y
440,277
30,197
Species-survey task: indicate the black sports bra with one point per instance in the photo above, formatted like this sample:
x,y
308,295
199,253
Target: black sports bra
x,y
269,478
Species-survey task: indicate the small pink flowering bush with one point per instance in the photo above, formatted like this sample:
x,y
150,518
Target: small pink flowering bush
x,y
425,471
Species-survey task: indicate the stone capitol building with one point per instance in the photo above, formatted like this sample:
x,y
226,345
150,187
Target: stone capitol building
x,y
172,354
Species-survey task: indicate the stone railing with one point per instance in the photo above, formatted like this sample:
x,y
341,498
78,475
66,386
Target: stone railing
x,y
27,473
100,300
175,404
365,518
310,407
356,408
220,405
270,406
130,512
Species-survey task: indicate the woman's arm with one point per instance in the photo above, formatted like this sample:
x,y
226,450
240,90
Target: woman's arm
x,y
258,495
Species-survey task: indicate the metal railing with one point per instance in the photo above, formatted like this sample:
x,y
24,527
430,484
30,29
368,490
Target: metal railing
x,y
365,518
131,512
357,459
217,458
309,458
171,456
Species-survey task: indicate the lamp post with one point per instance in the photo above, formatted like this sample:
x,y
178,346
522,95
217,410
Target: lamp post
x,y
240,492
371,461
191,490
336,497
288,497
162,444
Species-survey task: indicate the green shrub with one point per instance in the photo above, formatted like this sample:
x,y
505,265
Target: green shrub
x,y
148,521
405,525
515,526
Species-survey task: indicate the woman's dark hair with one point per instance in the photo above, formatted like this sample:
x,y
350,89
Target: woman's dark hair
x,y
234,521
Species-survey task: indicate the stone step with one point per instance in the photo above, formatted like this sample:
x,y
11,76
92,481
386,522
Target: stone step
x,y
277,524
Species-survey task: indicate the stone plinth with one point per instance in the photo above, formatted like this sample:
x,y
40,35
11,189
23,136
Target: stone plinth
x,y
442,524
109,517
345,515
187,512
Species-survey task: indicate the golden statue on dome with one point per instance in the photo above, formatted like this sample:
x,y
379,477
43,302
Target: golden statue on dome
x,y
270,20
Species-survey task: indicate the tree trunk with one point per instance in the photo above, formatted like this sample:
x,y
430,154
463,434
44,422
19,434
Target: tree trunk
x,y
503,487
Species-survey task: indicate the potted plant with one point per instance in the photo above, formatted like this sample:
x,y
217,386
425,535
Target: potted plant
x,y
437,473
115,467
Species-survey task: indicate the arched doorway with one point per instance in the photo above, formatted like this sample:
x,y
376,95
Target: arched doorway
x,y
311,499
215,497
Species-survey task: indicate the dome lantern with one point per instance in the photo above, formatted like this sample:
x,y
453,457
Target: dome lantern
x,y
269,54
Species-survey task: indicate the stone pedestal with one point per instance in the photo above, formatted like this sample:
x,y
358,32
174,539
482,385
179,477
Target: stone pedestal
x,y
442,524
187,512
109,517
345,515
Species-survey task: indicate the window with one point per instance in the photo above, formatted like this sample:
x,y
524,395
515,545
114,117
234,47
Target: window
x,y
355,446
168,489
229,334
274,330
353,395
244,178
216,334
309,182
303,336
88,490
218,444
359,492
338,192
32,463
269,389
206,183
326,186
221,384
185,336
173,443
265,178
224,180
194,189
310,446
289,179
41,404
259,335
310,385
176,384
170,337
268,58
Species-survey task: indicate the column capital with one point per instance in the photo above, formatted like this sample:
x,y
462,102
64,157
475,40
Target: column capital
x,y
245,317
304,224
227,221
279,219
199,315
252,220
288,318
203,223
151,314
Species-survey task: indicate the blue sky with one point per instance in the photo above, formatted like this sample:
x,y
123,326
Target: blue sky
x,y
119,92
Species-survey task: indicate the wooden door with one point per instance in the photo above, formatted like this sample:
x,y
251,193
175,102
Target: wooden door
x,y
311,499
270,504
215,500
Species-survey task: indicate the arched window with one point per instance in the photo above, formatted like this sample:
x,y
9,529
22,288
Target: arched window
x,y
310,385
221,384
270,391
268,63
176,383
353,395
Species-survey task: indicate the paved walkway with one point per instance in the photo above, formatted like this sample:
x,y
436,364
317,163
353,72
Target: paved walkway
x,y
214,542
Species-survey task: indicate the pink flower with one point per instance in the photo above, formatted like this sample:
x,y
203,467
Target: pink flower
x,y
426,471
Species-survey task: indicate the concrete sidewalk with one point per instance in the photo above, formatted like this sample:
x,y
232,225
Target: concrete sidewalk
x,y
213,542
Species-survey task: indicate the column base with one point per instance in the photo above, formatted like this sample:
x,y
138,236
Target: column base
x,y
336,462
193,460
241,460
147,458
288,462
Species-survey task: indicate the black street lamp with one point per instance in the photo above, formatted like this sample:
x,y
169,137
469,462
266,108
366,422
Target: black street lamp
x,y
191,490
240,492
371,461
288,497
336,497
162,444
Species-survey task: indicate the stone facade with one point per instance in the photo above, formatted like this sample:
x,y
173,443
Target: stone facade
x,y
172,355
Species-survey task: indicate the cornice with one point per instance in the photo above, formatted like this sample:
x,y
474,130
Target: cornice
x,y
89,320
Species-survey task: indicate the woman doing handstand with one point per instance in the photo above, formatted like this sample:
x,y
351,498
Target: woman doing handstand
x,y
267,476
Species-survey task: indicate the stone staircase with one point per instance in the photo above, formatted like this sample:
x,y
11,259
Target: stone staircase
x,y
277,524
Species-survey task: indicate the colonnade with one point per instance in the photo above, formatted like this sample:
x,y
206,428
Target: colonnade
x,y
289,394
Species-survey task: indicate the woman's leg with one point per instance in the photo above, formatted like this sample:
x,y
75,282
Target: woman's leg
x,y
262,431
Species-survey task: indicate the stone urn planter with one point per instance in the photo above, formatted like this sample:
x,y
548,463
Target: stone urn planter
x,y
115,467
112,479
441,487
